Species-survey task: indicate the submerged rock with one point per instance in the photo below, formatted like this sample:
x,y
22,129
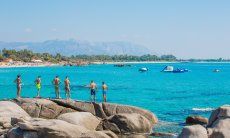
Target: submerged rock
x,y
42,108
84,119
193,120
163,134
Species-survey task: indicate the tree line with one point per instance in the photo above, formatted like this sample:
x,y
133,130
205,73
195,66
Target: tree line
x,y
27,55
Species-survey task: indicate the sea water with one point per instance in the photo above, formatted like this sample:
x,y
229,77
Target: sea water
x,y
171,96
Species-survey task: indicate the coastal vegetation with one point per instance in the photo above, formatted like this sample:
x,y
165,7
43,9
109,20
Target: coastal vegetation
x,y
27,56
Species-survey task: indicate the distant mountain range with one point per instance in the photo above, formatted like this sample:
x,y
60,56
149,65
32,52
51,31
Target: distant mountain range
x,y
74,47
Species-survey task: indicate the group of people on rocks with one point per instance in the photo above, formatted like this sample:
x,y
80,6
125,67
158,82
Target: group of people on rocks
x,y
56,82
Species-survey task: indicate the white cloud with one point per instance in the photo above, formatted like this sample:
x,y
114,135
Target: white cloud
x,y
28,30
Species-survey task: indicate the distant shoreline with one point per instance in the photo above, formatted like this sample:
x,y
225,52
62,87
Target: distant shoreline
x,y
152,62
25,65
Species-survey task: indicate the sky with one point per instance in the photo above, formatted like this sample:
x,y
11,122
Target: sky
x,y
184,28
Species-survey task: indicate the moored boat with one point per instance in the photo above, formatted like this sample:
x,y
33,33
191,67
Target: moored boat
x,y
143,69
168,69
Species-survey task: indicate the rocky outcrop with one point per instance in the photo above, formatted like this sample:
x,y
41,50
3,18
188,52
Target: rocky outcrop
x,y
34,118
84,119
194,131
119,119
218,126
42,108
9,110
193,120
105,109
130,123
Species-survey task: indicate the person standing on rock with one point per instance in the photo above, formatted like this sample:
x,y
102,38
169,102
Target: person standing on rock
x,y
93,87
38,85
56,83
18,82
67,87
104,90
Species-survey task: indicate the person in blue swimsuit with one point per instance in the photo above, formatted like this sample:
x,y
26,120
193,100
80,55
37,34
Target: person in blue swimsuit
x,y
104,90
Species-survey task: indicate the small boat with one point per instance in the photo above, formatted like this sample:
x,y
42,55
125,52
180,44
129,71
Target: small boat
x,y
216,70
172,70
168,69
143,69
180,70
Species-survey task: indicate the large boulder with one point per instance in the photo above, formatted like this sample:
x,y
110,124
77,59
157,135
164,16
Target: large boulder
x,y
130,123
194,131
76,105
94,108
219,123
221,112
113,109
42,108
36,128
220,128
193,120
9,110
84,119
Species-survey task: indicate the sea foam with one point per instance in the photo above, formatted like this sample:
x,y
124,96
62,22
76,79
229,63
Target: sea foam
x,y
203,109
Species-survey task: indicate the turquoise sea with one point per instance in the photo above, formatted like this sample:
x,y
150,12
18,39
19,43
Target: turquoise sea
x,y
172,97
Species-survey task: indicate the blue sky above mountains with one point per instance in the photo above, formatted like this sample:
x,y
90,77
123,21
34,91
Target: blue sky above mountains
x,y
187,29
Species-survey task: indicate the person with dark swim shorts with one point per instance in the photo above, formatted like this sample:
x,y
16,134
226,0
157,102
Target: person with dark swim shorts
x,y
56,82
93,87
18,82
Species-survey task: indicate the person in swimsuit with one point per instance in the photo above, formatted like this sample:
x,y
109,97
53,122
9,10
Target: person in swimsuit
x,y
38,85
67,87
104,90
56,83
93,88
18,82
